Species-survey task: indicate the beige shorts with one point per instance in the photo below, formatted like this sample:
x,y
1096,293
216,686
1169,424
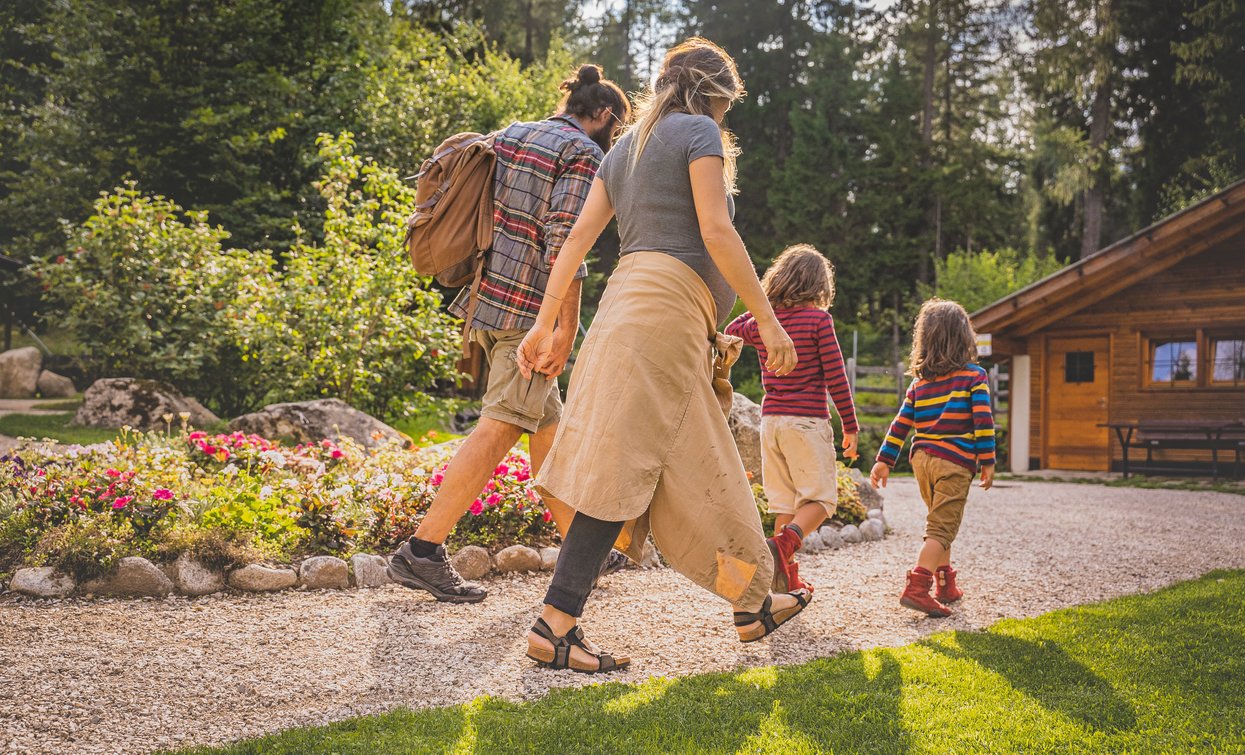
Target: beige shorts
x,y
510,397
797,463
944,487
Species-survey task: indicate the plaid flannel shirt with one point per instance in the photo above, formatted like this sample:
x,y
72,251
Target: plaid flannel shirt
x,y
544,171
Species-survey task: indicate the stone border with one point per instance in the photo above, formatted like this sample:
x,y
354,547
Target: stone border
x,y
136,577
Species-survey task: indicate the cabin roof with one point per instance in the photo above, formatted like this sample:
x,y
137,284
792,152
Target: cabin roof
x,y
1151,250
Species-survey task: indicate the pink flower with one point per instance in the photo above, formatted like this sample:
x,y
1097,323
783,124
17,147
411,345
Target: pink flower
x,y
112,473
163,494
531,494
490,486
122,501
197,435
477,508
522,475
502,469
494,499
547,516
436,479
337,453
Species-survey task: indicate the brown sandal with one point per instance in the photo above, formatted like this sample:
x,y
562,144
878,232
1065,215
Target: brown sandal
x,y
559,656
769,619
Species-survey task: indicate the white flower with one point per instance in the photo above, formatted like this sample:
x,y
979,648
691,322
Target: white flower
x,y
265,491
275,458
230,470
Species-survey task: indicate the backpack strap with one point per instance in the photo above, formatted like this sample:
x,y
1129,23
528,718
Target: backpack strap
x,y
473,298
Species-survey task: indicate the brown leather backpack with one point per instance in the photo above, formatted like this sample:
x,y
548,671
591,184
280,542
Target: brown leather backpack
x,y
453,221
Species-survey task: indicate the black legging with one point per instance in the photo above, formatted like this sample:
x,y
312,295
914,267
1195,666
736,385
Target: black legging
x,y
587,543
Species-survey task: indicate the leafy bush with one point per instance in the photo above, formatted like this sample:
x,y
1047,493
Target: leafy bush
x,y
146,289
348,316
976,279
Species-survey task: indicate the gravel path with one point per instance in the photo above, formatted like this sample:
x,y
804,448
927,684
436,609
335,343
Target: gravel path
x,y
130,676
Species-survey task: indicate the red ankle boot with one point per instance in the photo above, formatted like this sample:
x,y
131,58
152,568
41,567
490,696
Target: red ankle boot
x,y
947,591
793,579
783,546
916,595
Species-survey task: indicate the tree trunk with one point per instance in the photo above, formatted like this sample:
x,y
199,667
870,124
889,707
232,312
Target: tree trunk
x,y
529,31
929,62
1099,126
628,19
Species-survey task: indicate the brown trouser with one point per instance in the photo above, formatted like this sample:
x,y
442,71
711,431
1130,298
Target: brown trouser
x,y
944,487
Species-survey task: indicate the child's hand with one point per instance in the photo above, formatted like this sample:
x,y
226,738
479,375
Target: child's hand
x,y
987,477
849,446
878,475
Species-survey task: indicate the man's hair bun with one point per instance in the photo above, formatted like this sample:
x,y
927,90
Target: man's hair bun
x,y
587,74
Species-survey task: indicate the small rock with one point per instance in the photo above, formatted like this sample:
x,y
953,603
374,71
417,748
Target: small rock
x,y
651,558
872,529
52,385
324,573
850,534
132,577
192,578
42,582
875,513
831,538
813,543
369,570
517,558
549,558
472,562
260,578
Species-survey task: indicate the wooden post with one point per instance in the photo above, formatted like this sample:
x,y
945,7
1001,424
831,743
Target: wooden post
x,y
899,386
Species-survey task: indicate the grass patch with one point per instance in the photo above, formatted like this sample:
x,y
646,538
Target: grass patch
x,y
1147,673
1221,485
60,405
54,426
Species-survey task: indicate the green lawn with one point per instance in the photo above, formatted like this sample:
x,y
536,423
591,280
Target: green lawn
x,y
55,426
1151,673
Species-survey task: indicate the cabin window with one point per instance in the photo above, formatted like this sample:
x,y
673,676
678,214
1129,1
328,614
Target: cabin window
x,y
1173,361
1227,360
1078,367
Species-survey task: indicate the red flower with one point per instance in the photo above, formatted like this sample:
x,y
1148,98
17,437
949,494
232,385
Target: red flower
x,y
122,501
163,494
112,473
547,516
477,507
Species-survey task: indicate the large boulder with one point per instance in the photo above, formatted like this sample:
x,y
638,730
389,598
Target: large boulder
x,y
42,582
745,424
141,404
52,385
132,577
313,421
19,372
869,495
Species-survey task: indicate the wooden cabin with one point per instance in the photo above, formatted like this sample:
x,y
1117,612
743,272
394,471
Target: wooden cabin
x,y
1147,332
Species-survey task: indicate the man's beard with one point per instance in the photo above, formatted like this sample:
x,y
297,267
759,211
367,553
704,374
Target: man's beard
x,y
604,137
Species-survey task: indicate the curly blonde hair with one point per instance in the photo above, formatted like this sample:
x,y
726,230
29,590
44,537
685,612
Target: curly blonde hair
x,y
943,340
800,275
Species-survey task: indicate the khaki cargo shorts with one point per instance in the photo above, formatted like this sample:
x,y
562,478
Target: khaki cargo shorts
x,y
797,463
944,487
510,397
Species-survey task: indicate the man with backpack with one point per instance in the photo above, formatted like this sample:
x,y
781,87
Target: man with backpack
x,y
541,179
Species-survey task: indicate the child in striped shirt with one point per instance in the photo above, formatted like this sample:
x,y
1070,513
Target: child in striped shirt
x,y
948,403
798,467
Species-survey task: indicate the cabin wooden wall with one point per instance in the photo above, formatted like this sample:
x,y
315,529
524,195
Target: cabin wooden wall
x,y
1205,291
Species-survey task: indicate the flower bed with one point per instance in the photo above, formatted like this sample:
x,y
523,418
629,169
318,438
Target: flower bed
x,y
230,499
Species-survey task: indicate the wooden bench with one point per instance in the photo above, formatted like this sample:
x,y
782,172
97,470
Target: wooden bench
x,y
1198,435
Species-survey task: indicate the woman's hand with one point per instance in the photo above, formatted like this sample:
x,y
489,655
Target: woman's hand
x,y
779,349
536,349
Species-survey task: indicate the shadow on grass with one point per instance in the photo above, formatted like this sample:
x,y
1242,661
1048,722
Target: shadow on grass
x,y
1045,672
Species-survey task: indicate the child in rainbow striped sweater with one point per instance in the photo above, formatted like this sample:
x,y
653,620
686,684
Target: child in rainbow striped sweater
x,y
948,403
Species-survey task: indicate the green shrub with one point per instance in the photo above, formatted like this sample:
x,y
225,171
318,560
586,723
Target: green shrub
x,y
87,546
146,289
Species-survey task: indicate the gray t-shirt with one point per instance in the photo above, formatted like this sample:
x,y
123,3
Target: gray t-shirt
x,y
653,201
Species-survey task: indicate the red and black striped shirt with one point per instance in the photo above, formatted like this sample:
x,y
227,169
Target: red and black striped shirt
x,y
802,393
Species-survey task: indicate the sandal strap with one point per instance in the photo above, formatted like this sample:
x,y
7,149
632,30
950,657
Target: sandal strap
x,y
544,630
744,618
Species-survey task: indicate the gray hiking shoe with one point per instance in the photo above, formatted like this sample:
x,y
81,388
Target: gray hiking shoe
x,y
433,575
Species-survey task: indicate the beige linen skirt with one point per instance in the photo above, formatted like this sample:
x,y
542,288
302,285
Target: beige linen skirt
x,y
643,437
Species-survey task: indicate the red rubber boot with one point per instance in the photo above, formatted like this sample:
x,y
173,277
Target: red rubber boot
x,y
947,591
783,546
916,594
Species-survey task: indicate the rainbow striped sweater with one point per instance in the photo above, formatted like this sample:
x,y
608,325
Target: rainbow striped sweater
x,y
952,418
